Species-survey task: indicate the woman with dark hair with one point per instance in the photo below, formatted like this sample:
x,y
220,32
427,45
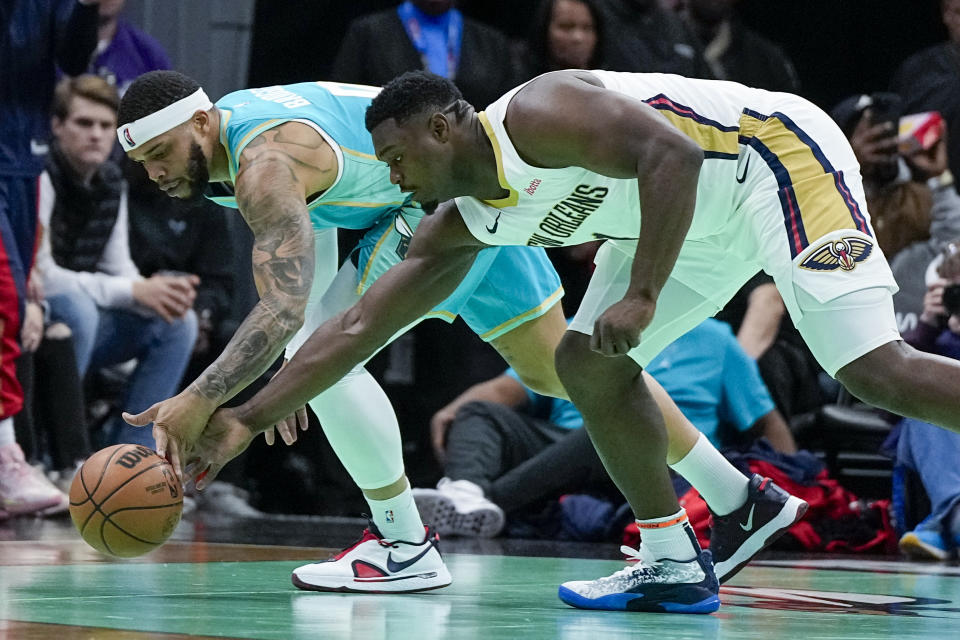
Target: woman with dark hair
x,y
565,34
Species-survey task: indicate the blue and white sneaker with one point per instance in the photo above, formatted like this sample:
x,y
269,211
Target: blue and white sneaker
x,y
657,586
374,564
925,544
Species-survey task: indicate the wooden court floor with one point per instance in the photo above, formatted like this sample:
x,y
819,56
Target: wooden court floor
x,y
222,579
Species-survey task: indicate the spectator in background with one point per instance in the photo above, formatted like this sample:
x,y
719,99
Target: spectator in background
x,y
502,445
91,281
929,451
173,236
565,34
736,52
430,35
639,35
767,334
124,51
36,36
930,80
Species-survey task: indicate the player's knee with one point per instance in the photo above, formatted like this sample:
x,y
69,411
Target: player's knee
x,y
877,377
569,358
542,378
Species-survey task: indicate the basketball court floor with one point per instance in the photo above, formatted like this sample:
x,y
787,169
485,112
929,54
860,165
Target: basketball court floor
x,y
230,578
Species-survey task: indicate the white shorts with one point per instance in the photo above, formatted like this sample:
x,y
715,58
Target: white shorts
x,y
800,216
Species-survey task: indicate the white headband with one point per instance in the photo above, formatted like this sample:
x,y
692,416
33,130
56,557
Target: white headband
x,y
134,134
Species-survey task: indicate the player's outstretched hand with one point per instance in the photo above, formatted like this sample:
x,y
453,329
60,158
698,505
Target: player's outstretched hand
x,y
288,428
618,329
223,439
177,423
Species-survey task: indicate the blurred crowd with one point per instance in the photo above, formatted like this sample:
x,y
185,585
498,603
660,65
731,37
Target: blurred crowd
x,y
112,295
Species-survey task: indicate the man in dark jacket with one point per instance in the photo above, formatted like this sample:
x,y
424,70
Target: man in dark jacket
x,y
431,35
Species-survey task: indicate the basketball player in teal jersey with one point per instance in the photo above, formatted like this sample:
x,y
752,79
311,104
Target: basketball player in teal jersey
x,y
298,163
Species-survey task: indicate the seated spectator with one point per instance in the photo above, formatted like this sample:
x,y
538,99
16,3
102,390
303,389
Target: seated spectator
x,y
736,52
505,448
91,282
51,427
167,236
931,452
767,334
430,35
565,34
639,35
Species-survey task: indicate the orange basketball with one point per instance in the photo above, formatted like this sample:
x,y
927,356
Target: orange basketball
x,y
125,500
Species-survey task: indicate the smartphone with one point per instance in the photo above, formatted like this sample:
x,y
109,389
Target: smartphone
x,y
919,131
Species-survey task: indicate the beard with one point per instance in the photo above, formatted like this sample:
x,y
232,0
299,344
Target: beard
x,y
198,175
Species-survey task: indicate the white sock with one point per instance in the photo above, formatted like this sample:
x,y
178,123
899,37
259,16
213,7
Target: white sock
x,y
671,538
6,432
722,486
398,518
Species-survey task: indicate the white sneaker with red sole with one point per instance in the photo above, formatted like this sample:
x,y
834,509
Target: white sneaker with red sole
x,y
377,565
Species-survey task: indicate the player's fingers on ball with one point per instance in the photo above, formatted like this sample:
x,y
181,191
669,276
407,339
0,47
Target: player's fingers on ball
x,y
173,455
291,429
303,419
268,437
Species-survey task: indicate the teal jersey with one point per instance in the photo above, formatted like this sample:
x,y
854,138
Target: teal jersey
x,y
362,194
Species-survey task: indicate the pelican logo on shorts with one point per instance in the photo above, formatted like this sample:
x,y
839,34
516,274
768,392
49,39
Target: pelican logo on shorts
x,y
128,137
843,254
406,233
132,458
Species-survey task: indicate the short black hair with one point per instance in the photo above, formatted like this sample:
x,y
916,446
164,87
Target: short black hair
x,y
153,91
412,93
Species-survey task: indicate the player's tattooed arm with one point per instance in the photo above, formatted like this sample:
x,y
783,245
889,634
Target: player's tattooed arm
x,y
279,170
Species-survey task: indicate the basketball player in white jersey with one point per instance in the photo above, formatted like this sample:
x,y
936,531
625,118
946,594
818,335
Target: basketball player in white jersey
x,y
729,179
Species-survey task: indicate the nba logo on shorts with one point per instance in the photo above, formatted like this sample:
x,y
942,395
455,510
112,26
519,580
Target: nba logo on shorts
x,y
389,515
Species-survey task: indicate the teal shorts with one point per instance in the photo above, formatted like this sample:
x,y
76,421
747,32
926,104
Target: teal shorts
x,y
506,286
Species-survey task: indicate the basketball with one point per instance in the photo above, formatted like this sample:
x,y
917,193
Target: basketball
x,y
125,500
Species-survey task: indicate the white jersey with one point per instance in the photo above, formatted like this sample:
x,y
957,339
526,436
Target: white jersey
x,y
556,207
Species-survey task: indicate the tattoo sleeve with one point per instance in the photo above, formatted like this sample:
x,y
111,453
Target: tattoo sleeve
x,y
271,197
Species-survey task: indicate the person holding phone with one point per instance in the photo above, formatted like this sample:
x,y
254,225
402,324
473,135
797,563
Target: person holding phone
x,y
925,449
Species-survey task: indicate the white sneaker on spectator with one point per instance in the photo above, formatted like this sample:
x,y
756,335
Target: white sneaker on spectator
x,y
22,488
459,508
